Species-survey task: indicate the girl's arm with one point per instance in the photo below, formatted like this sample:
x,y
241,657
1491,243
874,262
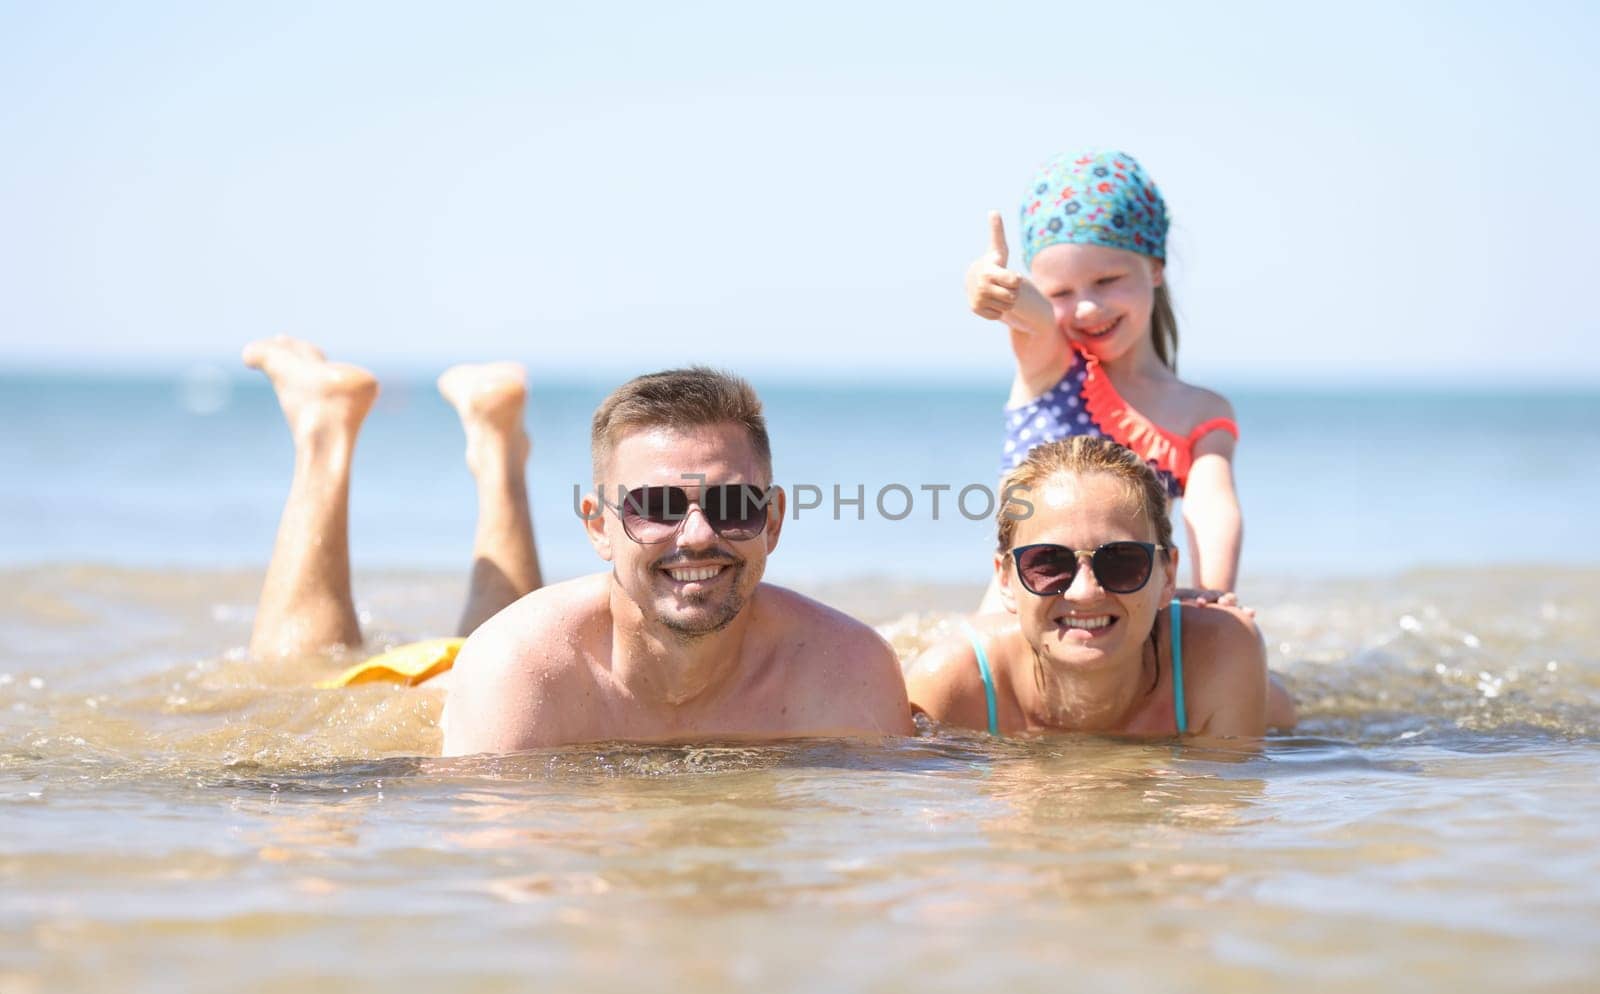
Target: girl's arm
x,y
997,293
1211,513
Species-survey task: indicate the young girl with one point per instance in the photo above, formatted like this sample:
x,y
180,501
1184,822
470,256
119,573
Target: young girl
x,y
1096,342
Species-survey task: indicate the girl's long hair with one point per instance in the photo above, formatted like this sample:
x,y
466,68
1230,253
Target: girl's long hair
x,y
1164,328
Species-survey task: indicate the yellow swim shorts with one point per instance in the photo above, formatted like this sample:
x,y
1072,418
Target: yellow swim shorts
x,y
409,664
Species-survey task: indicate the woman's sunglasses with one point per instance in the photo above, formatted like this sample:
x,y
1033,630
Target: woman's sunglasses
x,y
735,511
1119,567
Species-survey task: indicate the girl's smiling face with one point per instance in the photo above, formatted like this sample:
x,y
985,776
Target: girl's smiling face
x,y
1103,297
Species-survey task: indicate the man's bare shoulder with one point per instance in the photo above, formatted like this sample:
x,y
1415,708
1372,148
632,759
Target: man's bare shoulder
x,y
793,614
509,681
833,658
538,625
827,638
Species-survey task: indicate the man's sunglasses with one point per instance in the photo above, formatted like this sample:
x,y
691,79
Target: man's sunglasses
x,y
735,511
1119,567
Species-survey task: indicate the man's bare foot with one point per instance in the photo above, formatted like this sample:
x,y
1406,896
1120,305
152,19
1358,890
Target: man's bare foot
x,y
306,602
489,398
320,399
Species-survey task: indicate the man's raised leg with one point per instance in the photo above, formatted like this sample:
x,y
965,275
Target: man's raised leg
x,y
306,603
489,397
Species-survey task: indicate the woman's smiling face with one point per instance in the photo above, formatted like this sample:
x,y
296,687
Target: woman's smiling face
x,y
1086,626
1102,297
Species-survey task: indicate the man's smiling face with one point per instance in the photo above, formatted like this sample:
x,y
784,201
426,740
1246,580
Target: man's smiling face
x,y
694,582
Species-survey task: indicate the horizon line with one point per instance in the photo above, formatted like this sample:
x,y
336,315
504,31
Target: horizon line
x,y
1255,377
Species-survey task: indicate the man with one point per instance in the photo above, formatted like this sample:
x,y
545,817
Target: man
x,y
681,639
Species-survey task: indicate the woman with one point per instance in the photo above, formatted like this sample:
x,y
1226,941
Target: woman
x,y
1094,640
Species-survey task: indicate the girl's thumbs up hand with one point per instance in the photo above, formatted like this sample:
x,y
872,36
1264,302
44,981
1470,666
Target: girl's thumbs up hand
x,y
991,287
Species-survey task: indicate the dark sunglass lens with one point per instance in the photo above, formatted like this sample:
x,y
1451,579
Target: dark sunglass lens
x,y
1046,569
736,511
674,505
1122,567
650,513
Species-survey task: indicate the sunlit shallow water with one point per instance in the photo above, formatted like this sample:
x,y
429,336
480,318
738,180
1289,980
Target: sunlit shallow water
x,y
173,814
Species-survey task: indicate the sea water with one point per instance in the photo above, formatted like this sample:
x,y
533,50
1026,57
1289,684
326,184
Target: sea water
x,y
173,814
191,468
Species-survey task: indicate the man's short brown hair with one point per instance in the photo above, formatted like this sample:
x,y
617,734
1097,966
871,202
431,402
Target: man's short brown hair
x,y
679,398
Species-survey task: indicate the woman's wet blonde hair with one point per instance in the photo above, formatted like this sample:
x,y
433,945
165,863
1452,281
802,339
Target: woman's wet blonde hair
x,y
1076,456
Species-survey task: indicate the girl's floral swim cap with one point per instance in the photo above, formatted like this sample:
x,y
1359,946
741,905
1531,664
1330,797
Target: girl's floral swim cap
x,y
1094,198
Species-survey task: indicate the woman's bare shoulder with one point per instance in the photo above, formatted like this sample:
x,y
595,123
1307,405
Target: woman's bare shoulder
x,y
944,681
1216,633
1225,669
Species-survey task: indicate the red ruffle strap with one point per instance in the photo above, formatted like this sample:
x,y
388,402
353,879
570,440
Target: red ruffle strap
x,y
1205,428
1123,424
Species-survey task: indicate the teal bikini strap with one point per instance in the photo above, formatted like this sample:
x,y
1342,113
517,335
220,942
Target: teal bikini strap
x,y
983,671
1178,709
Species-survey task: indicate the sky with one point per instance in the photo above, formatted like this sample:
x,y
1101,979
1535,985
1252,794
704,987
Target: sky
x,y
1360,193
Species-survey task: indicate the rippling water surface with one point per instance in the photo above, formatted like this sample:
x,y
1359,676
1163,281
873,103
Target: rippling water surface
x,y
172,814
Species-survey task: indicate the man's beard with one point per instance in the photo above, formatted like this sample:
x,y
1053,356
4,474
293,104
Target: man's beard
x,y
687,630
